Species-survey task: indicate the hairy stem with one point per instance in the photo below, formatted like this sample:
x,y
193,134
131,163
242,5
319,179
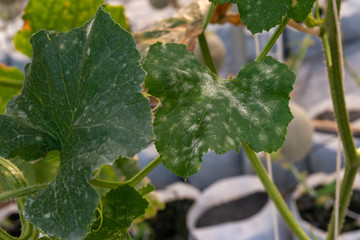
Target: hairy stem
x,y
21,192
204,48
16,180
208,16
330,35
208,61
133,181
272,40
274,194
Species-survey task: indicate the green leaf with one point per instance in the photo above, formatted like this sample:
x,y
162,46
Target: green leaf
x,y
120,207
259,15
81,96
11,80
301,9
201,112
124,169
59,15
146,189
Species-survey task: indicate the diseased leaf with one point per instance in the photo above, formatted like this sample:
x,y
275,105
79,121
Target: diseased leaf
x,y
301,9
259,15
201,112
59,15
81,96
120,207
11,80
183,27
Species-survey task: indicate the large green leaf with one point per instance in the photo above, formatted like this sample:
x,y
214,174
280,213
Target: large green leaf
x,y
201,112
120,207
81,96
11,80
59,15
259,15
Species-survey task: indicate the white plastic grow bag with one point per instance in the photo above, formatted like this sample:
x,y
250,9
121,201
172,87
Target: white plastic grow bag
x,y
256,227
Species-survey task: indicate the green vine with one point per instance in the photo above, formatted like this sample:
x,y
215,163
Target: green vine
x,y
16,180
330,38
133,181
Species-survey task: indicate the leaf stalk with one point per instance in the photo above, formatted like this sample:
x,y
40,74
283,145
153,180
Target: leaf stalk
x,y
133,181
274,194
272,39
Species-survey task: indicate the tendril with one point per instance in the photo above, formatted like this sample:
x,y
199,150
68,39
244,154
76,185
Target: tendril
x,y
100,210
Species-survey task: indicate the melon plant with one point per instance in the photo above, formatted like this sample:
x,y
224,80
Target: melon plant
x,y
82,100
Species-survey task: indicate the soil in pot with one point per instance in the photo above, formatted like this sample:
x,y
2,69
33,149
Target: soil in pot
x,y
170,223
319,214
235,210
12,225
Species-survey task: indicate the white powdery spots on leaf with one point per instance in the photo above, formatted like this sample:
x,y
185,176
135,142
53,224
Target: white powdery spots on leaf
x,y
22,114
47,215
263,137
235,103
279,130
230,141
62,46
269,73
38,138
67,72
88,51
208,87
88,30
194,127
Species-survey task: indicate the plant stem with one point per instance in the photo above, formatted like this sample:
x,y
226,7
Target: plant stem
x,y
12,84
133,181
22,192
312,31
16,180
274,194
208,16
204,48
272,40
208,61
330,35
145,171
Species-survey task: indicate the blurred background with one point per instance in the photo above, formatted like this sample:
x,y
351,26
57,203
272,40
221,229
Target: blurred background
x,y
225,199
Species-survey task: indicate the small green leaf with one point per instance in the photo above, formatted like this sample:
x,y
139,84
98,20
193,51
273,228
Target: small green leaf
x,y
81,96
259,15
11,80
201,112
146,189
120,207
